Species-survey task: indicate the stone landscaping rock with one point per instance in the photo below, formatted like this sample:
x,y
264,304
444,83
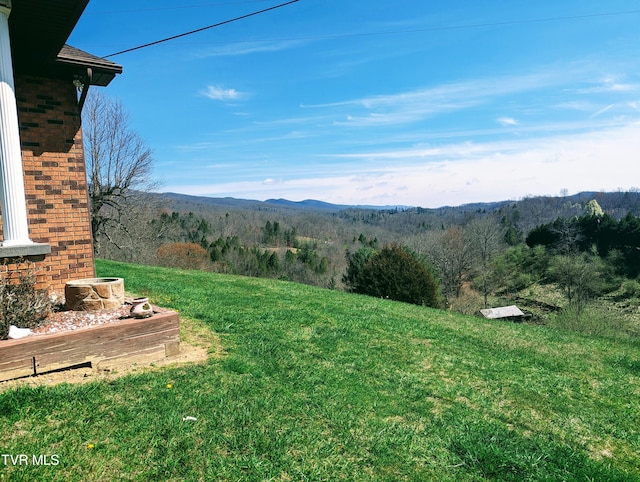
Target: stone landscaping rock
x,y
93,294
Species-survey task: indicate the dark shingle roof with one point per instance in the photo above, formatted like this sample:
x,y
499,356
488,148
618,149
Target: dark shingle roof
x,y
39,30
103,70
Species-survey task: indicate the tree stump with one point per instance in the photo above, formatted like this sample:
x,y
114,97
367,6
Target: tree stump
x,y
94,294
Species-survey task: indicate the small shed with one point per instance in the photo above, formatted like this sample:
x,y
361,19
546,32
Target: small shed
x,y
512,313
43,183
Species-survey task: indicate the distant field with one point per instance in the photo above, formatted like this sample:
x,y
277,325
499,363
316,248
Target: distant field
x,y
324,385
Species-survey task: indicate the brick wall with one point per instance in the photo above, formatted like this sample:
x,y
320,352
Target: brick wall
x,y
55,179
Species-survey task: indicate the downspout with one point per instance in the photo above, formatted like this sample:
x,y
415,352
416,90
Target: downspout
x,y
84,90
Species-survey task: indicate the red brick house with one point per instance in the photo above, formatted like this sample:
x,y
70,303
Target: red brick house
x,y
43,184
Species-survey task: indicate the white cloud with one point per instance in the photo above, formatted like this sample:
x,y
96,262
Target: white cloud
x,y
602,111
248,47
507,121
215,92
412,106
609,84
612,84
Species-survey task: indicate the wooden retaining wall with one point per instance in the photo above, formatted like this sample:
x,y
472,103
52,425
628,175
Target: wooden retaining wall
x,y
106,346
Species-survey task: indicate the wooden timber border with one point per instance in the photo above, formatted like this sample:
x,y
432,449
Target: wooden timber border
x,y
106,346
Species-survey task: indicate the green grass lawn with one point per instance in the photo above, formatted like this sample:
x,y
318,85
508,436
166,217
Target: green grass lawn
x,y
324,385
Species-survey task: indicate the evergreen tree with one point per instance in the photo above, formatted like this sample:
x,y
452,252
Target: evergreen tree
x,y
396,273
355,264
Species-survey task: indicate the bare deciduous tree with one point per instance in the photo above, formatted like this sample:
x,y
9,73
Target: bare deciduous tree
x,y
119,165
450,254
486,239
569,236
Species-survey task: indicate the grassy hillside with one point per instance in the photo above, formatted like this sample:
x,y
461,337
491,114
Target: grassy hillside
x,y
323,385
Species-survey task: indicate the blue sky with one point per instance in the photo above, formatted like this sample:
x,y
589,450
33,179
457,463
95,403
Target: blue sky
x,y
378,102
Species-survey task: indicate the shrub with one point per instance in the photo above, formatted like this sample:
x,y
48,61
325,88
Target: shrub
x,y
579,276
594,320
183,256
396,273
21,304
630,289
469,302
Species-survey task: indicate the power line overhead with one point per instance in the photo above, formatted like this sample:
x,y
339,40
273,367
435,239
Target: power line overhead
x,y
242,17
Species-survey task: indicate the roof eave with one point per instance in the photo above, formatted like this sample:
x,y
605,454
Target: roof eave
x,y
103,70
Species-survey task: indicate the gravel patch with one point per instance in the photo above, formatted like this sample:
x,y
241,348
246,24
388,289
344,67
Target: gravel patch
x,y
62,321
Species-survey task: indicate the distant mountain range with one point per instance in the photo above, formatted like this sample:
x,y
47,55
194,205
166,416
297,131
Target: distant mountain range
x,y
615,203
324,206
307,204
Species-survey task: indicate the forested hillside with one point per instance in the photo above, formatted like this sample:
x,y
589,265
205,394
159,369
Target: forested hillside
x,y
553,256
